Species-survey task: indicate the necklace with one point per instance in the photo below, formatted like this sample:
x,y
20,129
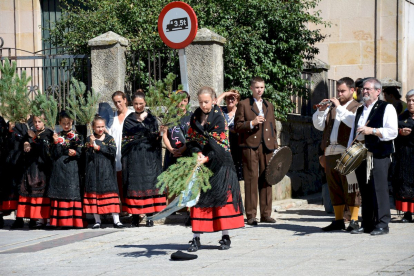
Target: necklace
x,y
139,113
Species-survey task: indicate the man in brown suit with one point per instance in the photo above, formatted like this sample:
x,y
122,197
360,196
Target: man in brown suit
x,y
336,123
255,122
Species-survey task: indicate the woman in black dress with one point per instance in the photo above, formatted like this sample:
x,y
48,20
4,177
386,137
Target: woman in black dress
x,y
101,188
221,207
141,163
403,176
65,185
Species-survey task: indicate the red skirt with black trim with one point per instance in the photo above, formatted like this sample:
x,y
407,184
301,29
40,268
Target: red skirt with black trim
x,y
101,204
404,206
8,206
33,207
66,213
144,205
215,219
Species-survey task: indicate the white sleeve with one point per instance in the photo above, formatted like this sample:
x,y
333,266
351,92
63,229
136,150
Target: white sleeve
x,y
389,130
319,119
345,116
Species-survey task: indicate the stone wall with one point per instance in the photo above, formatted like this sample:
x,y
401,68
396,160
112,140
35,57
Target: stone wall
x,y
305,175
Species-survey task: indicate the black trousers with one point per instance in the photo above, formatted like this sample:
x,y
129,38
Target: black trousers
x,y
376,211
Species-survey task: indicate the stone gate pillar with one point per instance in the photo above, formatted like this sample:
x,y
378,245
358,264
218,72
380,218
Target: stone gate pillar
x,y
108,64
205,63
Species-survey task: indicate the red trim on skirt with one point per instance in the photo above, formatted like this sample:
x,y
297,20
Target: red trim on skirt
x,y
66,213
101,204
33,207
404,206
214,219
144,205
8,205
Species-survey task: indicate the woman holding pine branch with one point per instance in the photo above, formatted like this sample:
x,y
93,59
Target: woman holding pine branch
x,y
36,163
174,137
65,187
221,207
101,189
141,163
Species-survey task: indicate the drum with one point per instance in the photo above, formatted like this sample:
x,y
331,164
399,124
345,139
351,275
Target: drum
x,y
278,165
351,158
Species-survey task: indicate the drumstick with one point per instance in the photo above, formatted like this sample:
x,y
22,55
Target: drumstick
x,y
359,133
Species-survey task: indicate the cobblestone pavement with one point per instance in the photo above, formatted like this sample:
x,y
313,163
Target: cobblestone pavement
x,y
294,245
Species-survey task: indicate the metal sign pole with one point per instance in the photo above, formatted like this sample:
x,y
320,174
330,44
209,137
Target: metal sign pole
x,y
183,70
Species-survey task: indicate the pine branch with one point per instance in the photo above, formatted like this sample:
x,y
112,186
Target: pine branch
x,y
178,177
47,105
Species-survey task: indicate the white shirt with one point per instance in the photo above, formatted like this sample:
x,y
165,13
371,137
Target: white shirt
x,y
389,131
342,115
259,105
116,132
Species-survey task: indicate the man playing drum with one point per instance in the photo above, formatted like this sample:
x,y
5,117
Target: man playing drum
x,y
372,174
255,121
335,118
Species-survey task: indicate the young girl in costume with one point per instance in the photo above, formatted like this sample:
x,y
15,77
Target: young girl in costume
x,y
221,207
101,189
65,185
36,167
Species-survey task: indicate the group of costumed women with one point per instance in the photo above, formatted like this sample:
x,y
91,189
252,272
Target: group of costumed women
x,y
54,179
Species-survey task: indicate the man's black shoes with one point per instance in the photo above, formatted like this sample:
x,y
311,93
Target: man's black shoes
x,y
380,231
353,225
335,225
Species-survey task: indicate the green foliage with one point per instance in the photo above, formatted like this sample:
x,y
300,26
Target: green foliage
x,y
266,38
47,105
14,97
82,104
163,102
178,176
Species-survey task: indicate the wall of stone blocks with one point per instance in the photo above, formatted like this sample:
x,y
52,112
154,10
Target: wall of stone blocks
x,y
306,176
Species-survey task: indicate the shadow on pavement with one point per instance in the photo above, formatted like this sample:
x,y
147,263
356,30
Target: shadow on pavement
x,y
149,250
299,230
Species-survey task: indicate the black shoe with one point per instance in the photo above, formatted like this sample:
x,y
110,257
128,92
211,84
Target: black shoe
x,y
380,231
267,220
135,221
32,224
335,225
150,223
407,217
252,221
18,223
225,242
195,244
353,225
118,225
96,225
1,222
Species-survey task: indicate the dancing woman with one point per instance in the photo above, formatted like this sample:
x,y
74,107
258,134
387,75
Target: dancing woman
x,y
220,208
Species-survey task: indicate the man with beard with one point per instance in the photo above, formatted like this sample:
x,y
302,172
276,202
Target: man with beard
x,y
375,125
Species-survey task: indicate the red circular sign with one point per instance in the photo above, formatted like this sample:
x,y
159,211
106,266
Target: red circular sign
x,y
177,25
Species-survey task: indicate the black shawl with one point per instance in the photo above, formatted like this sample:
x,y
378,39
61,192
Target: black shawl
x,y
65,178
212,140
37,165
141,156
100,172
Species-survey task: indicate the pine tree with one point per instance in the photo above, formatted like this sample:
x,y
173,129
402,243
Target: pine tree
x,y
81,107
163,102
47,105
15,102
179,175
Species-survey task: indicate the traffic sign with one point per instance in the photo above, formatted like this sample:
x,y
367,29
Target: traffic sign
x,y
177,25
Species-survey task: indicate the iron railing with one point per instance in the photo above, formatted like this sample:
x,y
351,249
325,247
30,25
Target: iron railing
x,y
145,67
50,73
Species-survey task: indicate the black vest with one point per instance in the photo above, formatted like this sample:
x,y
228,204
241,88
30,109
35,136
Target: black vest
x,y
373,143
